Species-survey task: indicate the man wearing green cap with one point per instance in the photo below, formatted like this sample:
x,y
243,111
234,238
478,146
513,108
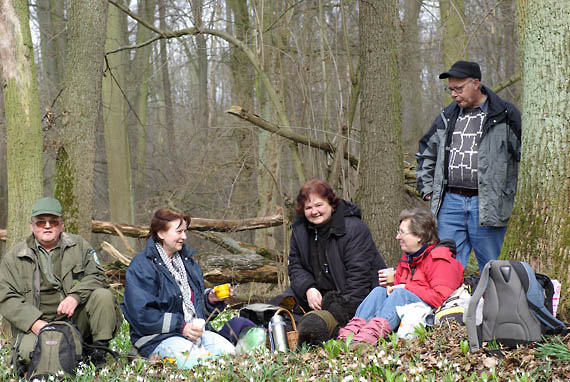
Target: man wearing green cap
x,y
51,275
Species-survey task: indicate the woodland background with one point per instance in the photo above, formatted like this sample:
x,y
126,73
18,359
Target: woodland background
x,y
120,107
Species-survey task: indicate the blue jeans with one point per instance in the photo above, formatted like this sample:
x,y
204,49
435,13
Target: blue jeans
x,y
173,347
379,304
458,219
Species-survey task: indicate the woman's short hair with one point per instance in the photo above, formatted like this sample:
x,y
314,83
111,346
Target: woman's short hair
x,y
318,187
160,220
422,224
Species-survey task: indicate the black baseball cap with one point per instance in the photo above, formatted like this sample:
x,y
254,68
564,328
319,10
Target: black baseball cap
x,y
463,69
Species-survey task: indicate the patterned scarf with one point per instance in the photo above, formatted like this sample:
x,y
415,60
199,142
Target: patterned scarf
x,y
177,270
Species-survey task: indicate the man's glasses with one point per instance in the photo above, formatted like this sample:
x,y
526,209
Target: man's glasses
x,y
402,233
44,223
457,89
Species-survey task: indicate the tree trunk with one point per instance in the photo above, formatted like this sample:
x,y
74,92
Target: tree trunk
x,y
23,120
539,229
242,94
115,123
382,182
81,107
411,82
452,15
142,75
203,109
3,170
166,89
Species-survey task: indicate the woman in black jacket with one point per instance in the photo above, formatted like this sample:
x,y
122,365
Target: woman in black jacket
x,y
331,250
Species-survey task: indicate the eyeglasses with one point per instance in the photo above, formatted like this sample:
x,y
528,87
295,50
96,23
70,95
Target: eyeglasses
x,y
402,233
457,89
43,223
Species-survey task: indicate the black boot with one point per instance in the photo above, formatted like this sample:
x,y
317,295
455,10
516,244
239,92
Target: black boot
x,y
97,355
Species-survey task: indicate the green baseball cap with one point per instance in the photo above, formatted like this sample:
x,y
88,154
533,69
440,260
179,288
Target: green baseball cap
x,y
47,206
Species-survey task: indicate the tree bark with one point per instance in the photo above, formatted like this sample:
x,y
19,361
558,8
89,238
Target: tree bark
x,y
81,108
142,75
411,82
382,182
454,34
117,147
202,52
245,184
166,88
50,85
539,229
23,120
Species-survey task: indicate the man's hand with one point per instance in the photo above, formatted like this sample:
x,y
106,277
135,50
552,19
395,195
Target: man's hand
x,y
427,197
67,306
314,298
37,326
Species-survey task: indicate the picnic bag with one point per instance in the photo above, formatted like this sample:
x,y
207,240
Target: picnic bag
x,y
516,309
59,346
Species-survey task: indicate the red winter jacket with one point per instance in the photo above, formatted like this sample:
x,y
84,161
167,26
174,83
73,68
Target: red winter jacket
x,y
432,276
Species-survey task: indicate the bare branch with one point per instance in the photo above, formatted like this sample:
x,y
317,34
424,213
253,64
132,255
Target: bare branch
x,y
301,139
507,82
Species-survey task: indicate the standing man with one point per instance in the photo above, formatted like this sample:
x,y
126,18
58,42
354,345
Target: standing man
x,y
53,274
468,165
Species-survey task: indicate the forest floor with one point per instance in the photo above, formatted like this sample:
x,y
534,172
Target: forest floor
x,y
440,354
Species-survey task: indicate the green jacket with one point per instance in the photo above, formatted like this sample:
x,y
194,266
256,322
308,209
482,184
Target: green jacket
x,y
80,276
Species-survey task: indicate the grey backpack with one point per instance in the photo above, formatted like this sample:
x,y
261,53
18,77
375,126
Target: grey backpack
x,y
514,310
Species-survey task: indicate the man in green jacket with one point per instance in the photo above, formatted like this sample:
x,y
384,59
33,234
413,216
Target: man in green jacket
x,y
54,275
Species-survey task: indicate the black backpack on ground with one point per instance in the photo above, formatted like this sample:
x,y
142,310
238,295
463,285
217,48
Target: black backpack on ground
x,y
517,306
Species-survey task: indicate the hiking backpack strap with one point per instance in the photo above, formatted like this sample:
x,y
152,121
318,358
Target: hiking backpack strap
x,y
474,332
548,287
535,297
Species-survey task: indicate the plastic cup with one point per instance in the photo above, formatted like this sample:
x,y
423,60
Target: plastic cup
x,y
198,323
222,291
389,273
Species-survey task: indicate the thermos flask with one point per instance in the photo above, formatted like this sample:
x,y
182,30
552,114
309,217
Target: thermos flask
x,y
278,335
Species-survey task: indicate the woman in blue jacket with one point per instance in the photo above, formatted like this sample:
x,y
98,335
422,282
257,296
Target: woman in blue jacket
x,y
165,297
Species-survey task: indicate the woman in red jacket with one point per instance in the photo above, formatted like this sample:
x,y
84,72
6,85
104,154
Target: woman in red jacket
x,y
427,272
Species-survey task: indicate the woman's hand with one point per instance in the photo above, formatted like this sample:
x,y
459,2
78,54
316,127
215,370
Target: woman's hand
x,y
383,278
214,299
391,288
192,332
314,298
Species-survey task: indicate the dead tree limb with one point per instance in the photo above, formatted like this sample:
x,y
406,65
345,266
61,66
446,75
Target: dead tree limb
x,y
196,224
240,112
507,82
114,252
241,267
301,139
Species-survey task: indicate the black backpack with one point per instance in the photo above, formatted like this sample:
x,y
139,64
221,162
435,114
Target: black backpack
x,y
59,347
517,306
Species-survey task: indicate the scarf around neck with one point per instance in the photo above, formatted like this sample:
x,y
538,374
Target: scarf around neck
x,y
177,270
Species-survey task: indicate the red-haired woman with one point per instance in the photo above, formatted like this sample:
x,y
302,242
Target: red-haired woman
x,y
331,249
165,299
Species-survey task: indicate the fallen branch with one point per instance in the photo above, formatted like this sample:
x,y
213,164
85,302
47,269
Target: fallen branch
x,y
196,224
114,252
301,139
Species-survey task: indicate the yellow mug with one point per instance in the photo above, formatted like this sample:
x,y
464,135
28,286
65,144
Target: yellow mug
x,y
222,291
